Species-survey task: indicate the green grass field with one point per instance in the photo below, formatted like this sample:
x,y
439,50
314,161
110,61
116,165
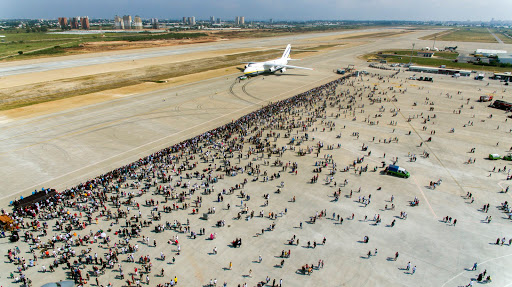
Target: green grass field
x,y
501,33
437,54
473,34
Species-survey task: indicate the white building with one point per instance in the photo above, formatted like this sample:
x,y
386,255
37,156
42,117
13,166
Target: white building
x,y
487,53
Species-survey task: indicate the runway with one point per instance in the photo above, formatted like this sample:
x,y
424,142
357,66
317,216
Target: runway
x,y
7,69
64,148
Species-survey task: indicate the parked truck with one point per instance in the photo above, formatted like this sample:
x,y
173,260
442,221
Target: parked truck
x,y
397,171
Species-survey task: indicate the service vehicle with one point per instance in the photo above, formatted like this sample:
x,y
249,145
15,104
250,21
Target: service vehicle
x,y
397,171
486,98
494,156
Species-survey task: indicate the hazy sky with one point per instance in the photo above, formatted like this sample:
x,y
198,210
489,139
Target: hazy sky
x,y
264,9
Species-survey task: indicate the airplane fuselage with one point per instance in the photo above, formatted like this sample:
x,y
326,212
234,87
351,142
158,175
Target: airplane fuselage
x,y
281,64
272,66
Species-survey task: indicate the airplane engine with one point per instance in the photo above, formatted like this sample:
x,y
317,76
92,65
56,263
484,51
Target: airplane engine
x,y
272,69
283,70
246,66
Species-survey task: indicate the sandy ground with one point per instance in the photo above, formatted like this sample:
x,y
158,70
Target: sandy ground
x,y
20,87
103,96
77,72
56,83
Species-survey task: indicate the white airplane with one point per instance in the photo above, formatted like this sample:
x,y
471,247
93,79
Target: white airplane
x,y
281,64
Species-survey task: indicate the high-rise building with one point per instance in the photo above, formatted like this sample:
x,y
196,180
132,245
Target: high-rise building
x,y
75,23
185,20
237,20
137,23
85,23
218,20
271,21
192,21
212,19
154,23
242,20
63,22
127,22
118,23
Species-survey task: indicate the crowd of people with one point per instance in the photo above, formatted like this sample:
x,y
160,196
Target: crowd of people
x,y
99,226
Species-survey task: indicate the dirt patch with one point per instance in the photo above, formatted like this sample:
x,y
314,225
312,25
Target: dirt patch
x,y
107,95
47,98
24,95
102,46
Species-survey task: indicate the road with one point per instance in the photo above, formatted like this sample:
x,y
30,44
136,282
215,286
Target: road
x,y
495,37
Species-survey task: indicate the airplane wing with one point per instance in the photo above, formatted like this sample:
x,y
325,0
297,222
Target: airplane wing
x,y
294,67
248,62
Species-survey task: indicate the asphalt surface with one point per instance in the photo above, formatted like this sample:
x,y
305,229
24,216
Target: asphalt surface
x,y
53,148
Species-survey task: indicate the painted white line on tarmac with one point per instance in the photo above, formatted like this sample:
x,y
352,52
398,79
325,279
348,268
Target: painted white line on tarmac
x,y
479,264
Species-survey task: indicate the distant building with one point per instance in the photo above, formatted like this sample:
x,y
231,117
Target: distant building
x,y
271,21
444,71
85,23
426,54
63,22
239,20
154,23
505,58
218,20
127,22
137,23
192,21
118,23
212,19
487,52
185,20
75,23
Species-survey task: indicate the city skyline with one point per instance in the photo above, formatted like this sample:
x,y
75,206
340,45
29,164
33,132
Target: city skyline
x,y
302,10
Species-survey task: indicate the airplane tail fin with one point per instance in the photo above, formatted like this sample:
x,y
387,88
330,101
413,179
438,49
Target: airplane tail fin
x,y
286,53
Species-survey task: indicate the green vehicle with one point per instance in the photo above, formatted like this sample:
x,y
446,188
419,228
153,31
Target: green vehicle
x,y
397,171
508,157
494,156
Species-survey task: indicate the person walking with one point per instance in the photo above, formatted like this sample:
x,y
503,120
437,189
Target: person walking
x,y
396,255
475,265
413,270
